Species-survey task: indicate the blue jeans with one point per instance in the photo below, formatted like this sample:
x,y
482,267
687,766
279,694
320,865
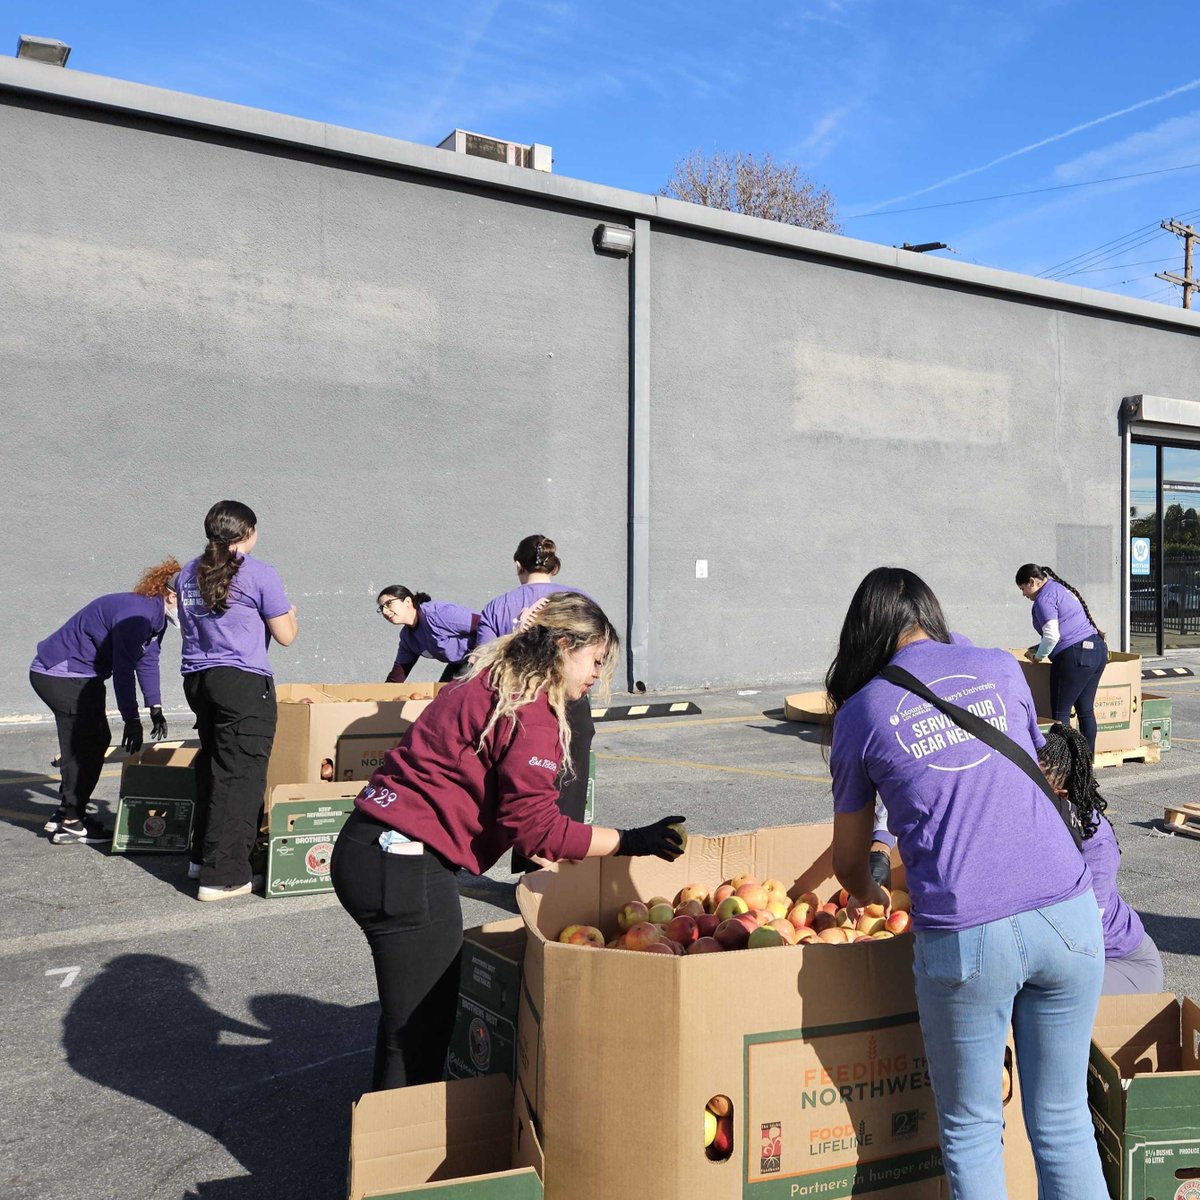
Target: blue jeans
x,y
1040,970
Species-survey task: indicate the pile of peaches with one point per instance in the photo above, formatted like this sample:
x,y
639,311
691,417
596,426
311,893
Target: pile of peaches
x,y
745,914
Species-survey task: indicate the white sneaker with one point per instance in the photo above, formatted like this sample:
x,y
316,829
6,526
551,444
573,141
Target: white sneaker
x,y
224,893
194,870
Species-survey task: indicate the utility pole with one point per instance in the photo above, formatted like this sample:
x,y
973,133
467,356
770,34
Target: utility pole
x,y
1186,282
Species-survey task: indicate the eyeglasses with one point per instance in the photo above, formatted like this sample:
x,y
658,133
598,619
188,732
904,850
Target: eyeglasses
x,y
382,609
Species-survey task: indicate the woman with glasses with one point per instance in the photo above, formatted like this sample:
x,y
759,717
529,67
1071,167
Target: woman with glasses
x,y
429,629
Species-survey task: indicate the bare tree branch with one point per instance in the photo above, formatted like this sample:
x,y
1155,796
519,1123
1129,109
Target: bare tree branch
x,y
757,187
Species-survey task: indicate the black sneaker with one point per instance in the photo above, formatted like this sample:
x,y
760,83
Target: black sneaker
x,y
55,820
86,833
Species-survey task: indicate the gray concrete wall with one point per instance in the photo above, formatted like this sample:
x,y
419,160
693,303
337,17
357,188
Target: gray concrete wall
x,y
405,361
836,420
401,379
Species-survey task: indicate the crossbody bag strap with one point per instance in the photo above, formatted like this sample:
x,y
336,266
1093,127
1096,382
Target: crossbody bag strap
x,y
990,736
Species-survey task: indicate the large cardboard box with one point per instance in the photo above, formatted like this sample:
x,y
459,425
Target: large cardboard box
x,y
1156,720
315,719
469,1139
1144,1092
1118,698
157,799
303,821
819,1048
489,993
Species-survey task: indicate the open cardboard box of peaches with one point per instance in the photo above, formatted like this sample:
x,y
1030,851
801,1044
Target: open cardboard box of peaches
x,y
744,913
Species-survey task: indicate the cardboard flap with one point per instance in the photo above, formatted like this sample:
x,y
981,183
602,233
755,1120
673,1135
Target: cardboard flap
x,y
440,1131
527,1150
1191,1036
164,754
1140,1033
329,793
497,1185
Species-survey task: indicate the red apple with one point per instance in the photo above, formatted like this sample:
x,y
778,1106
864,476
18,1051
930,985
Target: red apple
x,y
675,947
834,935
642,935
804,935
705,945
720,1106
898,922
706,925
689,908
762,916
810,898
741,880
822,920
785,929
634,913
753,894
721,893
722,1144
658,948
693,891
801,914
732,935
582,935
682,929
775,887
829,906
749,920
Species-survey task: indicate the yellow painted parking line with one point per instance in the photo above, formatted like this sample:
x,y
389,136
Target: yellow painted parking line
x,y
14,780
1179,739
695,766
641,725
23,818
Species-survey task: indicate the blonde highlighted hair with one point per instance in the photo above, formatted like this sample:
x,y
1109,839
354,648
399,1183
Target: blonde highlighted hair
x,y
521,666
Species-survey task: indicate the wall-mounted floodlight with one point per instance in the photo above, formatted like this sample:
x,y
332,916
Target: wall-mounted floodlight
x,y
613,239
43,50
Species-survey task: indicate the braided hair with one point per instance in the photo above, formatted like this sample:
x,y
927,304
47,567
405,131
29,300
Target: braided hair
x,y
1033,571
1066,760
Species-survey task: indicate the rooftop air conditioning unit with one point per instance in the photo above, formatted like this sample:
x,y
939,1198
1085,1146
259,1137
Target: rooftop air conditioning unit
x,y
515,154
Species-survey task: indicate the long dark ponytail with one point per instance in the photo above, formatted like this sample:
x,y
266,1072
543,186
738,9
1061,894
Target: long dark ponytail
x,y
888,603
227,523
1033,571
1066,759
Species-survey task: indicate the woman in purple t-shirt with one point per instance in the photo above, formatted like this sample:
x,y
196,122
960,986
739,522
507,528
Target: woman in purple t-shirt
x,y
230,608
1132,962
1006,928
429,628
537,563
1071,640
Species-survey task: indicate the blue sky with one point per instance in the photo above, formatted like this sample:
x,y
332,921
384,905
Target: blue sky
x,y
892,106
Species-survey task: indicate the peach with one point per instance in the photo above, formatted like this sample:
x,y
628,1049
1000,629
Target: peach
x,y
660,914
898,922
732,935
693,891
785,929
823,920
642,935
901,901
730,907
634,913
753,894
705,945
834,935
762,939
682,929
706,924
582,935
689,908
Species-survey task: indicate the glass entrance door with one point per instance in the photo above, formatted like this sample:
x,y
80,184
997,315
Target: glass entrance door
x,y
1164,549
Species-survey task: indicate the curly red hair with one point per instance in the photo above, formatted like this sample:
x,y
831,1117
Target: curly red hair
x,y
154,580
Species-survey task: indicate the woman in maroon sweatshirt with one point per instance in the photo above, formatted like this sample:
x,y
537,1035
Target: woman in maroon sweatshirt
x,y
477,775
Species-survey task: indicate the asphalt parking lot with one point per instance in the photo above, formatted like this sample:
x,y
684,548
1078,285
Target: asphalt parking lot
x,y
157,1047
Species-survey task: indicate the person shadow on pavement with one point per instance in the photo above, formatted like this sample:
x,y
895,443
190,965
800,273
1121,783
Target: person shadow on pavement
x,y
276,1094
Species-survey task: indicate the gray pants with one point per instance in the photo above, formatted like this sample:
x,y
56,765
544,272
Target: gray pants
x,y
1139,971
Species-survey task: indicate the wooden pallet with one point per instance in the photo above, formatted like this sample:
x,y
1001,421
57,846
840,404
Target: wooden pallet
x,y
1147,753
1183,819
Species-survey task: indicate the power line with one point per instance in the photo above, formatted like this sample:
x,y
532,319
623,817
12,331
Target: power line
x,y
1092,258
1059,187
1144,262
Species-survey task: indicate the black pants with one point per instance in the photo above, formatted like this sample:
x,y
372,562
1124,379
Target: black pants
x,y
235,721
1074,677
452,670
84,735
572,794
408,907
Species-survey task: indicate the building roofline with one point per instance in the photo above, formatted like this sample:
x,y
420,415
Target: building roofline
x,y
135,99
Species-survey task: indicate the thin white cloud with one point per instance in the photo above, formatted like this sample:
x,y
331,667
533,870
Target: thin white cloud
x,y
1171,143
821,137
1046,141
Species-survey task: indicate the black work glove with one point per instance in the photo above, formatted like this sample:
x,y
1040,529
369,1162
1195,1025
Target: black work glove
x,y
659,839
158,723
132,740
881,867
